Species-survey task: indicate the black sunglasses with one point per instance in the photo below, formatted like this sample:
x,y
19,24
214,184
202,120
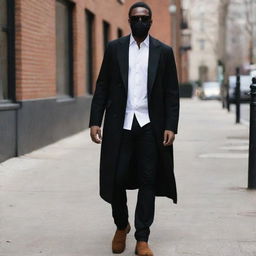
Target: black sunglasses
x,y
137,18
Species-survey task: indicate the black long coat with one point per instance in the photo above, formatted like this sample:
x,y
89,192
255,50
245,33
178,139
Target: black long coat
x,y
163,105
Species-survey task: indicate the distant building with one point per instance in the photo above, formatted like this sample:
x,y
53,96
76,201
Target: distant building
x,y
50,55
204,29
240,35
254,31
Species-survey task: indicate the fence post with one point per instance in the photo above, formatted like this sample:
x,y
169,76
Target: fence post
x,y
252,138
238,95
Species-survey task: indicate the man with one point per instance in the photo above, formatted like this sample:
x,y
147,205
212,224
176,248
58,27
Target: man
x,y
137,88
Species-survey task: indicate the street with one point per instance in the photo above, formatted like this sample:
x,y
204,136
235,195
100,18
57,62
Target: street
x,y
50,205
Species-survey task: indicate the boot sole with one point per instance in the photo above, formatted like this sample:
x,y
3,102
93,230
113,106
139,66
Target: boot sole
x,y
138,254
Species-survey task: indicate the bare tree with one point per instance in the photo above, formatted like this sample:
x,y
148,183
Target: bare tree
x,y
222,50
249,26
223,14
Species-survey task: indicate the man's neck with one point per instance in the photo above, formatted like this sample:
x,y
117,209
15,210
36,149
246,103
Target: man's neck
x,y
139,40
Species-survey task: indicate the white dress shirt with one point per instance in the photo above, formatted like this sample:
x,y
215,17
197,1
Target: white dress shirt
x,y
137,100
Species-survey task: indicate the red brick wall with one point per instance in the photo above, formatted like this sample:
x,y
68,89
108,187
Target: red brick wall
x,y
35,40
35,49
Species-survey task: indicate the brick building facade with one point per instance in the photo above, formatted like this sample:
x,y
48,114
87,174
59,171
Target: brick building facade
x,y
51,52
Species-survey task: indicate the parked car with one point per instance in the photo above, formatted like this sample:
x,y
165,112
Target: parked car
x,y
210,90
245,82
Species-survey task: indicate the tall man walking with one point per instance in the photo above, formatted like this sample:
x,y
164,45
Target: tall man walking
x,y
137,88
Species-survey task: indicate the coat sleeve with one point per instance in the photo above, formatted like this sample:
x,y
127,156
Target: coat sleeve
x,y
171,94
101,92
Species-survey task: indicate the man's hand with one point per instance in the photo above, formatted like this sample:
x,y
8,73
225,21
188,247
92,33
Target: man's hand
x,y
169,137
96,134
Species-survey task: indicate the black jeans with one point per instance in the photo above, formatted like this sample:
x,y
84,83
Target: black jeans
x,y
139,141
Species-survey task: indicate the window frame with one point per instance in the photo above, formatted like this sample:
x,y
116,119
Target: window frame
x,y
70,5
106,27
90,49
9,28
120,32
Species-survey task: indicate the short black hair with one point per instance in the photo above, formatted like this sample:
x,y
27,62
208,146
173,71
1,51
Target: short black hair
x,y
140,4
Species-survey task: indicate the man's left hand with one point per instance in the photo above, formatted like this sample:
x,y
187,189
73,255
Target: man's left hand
x,y
169,137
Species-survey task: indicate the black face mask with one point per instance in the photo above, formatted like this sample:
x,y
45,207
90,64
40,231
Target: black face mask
x,y
140,29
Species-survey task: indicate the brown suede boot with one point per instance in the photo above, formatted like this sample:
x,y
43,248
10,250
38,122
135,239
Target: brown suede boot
x,y
119,240
142,249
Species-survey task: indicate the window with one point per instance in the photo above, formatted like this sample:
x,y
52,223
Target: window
x,y
64,48
106,32
201,44
89,21
3,51
119,32
7,66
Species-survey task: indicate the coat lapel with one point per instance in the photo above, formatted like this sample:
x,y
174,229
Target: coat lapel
x,y
123,59
154,56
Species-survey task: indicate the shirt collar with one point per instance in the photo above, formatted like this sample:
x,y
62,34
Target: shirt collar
x,y
146,41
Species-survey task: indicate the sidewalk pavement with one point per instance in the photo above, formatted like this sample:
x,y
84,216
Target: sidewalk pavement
x,y
49,202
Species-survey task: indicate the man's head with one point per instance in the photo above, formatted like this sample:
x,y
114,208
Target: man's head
x,y
140,19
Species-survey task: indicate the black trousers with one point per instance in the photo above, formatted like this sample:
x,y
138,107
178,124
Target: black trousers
x,y
140,142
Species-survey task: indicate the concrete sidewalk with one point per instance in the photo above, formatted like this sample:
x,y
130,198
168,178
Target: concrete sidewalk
x,y
49,202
